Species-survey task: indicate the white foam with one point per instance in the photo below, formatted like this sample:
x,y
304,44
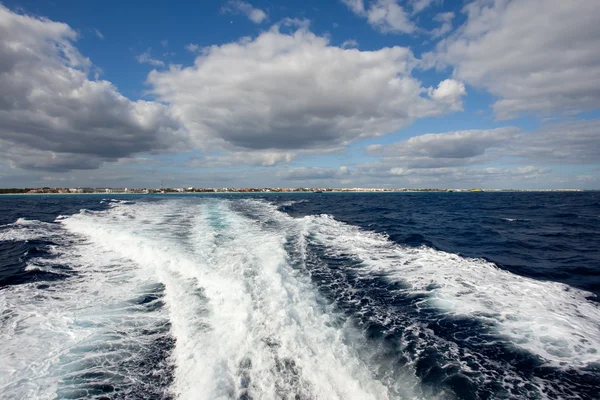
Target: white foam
x,y
289,203
42,327
242,317
550,319
24,229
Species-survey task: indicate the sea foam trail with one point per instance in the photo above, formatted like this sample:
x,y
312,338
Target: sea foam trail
x,y
24,229
218,299
83,336
463,324
550,319
246,324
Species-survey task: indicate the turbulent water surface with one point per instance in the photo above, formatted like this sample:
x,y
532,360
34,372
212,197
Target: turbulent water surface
x,y
305,296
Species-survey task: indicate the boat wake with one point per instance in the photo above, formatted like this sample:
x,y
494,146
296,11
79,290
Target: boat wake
x,y
220,299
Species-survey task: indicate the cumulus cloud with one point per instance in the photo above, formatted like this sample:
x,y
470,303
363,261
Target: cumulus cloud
x,y
53,116
385,15
26,157
536,56
572,142
444,149
450,91
255,15
449,158
296,91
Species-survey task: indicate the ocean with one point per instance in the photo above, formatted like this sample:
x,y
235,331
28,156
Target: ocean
x,y
300,296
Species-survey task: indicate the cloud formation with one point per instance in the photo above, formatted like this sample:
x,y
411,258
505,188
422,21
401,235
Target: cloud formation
x,y
458,145
420,5
536,56
53,116
445,19
288,93
314,173
146,58
350,43
243,158
255,15
296,91
387,16
572,142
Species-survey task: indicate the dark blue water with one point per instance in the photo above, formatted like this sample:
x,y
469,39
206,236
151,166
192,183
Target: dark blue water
x,y
550,236
454,352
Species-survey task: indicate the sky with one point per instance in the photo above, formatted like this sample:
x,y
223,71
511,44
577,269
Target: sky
x,y
339,93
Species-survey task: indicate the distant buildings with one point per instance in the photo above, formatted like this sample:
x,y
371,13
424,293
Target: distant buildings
x,y
108,190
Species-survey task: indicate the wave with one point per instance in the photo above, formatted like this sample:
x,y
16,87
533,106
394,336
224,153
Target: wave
x,y
25,229
491,330
550,319
91,335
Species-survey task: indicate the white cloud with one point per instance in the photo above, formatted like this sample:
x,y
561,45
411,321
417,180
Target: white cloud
x,y
99,34
243,158
146,58
192,48
385,15
164,43
349,44
444,149
52,116
536,56
389,16
445,19
296,91
572,142
450,91
453,177
420,5
357,6
255,15
512,174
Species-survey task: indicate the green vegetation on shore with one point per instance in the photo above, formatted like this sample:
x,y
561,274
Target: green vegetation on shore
x,y
14,190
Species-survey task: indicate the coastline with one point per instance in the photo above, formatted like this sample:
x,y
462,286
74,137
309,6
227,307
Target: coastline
x,y
308,192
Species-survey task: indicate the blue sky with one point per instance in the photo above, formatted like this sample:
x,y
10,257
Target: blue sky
x,y
350,93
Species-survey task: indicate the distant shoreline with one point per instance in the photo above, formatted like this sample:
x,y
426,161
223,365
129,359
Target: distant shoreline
x,y
304,192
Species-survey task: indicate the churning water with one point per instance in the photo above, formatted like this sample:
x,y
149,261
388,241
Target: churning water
x,y
299,297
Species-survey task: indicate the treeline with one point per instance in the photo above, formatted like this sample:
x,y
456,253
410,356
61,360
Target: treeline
x,y
14,190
